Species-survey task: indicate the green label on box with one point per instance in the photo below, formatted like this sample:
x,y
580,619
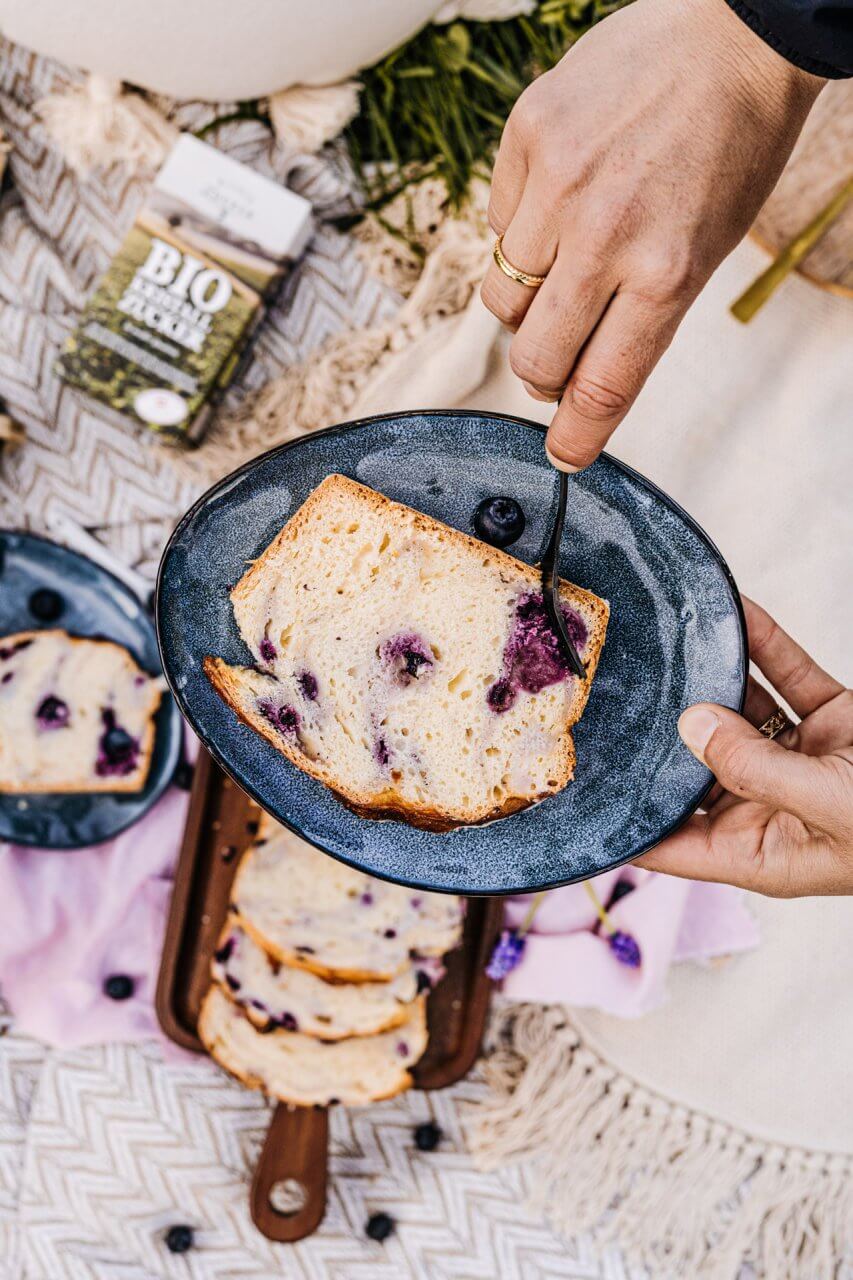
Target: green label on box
x,y
159,330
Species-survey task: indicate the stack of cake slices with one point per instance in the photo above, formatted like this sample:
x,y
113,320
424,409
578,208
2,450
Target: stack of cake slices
x,y
320,979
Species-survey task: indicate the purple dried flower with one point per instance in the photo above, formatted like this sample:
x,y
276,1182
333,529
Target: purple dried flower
x,y
507,953
625,949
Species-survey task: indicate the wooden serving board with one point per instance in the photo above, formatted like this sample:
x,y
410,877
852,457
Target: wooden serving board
x,y
288,1197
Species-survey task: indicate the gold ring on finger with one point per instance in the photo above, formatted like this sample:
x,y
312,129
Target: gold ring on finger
x,y
514,273
775,724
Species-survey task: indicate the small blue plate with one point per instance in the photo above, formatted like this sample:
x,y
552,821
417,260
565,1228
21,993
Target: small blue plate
x,y
676,637
94,604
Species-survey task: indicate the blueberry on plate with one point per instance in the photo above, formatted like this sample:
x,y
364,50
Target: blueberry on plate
x,y
380,1226
119,987
179,1239
427,1136
46,605
499,521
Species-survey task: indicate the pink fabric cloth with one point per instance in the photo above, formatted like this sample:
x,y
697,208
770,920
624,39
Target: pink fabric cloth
x,y
672,920
70,920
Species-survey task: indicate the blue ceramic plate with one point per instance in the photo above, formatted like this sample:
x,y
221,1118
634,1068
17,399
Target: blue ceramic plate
x,y
676,636
94,604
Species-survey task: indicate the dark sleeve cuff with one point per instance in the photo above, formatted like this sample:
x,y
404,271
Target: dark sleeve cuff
x,y
815,35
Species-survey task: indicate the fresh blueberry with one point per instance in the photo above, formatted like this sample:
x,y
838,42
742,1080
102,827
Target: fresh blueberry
x,y
427,1136
119,987
380,1226
179,1239
53,713
499,521
46,605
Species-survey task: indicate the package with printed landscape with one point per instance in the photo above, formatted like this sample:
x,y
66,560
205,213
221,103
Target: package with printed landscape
x,y
162,334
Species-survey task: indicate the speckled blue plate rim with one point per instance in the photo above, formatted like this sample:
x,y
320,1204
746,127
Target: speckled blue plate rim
x,y
168,709
343,428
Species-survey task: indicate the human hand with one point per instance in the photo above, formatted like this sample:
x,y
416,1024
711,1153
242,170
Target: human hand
x,y
626,174
781,819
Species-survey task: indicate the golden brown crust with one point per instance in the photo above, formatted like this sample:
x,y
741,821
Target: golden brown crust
x,y
297,960
258,1020
389,805
146,742
219,1052
434,528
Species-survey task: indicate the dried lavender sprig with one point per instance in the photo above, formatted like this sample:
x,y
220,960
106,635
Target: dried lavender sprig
x,y
624,946
509,947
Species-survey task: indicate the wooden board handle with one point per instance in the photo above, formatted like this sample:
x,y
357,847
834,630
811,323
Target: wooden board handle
x,y
288,1197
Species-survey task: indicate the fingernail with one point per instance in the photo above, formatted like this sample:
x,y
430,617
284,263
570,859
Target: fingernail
x,y
697,726
559,463
536,394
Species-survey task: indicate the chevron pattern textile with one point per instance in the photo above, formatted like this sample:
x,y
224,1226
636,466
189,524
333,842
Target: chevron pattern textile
x,y
102,1150
57,234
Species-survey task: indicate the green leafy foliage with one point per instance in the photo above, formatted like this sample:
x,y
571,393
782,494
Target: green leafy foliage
x,y
437,105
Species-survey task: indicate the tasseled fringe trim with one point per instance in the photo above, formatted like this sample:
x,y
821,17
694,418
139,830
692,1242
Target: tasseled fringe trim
x,y
680,1194
95,124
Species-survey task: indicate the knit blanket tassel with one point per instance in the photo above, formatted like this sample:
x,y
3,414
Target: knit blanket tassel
x,y
680,1194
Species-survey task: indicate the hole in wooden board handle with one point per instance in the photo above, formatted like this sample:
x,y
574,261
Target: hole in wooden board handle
x,y
296,1150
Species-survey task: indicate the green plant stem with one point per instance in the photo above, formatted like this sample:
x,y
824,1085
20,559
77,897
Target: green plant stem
x,y
791,256
439,102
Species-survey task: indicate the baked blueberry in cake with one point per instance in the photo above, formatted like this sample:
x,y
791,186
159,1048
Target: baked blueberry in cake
x,y
307,910
279,996
305,1071
75,715
408,666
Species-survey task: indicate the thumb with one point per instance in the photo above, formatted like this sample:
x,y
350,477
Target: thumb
x,y
751,766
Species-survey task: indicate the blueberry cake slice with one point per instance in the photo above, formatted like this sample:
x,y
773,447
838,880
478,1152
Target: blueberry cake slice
x,y
305,1071
307,910
75,715
409,667
274,995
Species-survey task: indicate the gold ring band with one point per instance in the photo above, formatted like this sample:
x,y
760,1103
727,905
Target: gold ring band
x,y
515,273
775,724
